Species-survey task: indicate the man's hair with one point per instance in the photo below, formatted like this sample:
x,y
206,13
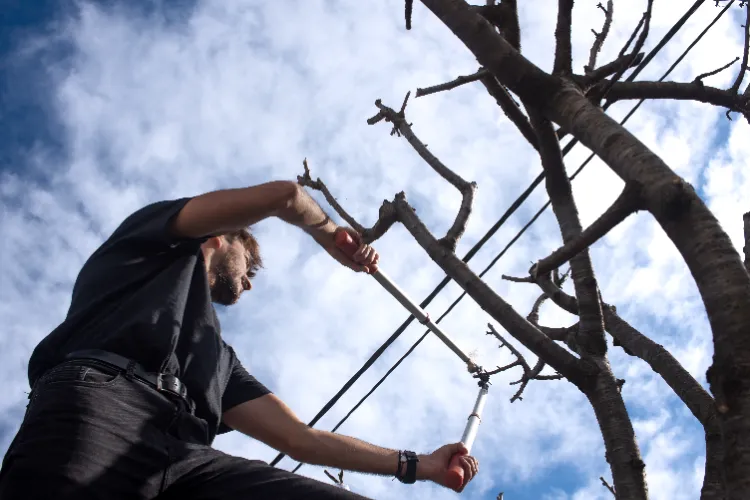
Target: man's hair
x,y
251,245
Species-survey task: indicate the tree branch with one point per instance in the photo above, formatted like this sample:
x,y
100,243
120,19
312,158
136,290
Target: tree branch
x,y
528,372
511,109
599,38
620,64
591,328
629,202
744,67
746,249
387,215
563,52
679,91
401,127
461,80
562,361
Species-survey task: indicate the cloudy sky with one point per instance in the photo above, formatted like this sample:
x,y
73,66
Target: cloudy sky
x,y
107,106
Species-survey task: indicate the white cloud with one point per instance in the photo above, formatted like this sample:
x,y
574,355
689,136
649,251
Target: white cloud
x,y
241,93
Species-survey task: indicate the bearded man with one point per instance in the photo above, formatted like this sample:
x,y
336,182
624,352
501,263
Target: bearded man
x,y
130,390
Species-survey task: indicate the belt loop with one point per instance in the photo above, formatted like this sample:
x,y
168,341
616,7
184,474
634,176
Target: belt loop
x,y
129,373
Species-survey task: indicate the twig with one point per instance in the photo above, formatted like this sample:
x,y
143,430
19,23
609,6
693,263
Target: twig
x,y
563,51
528,372
331,476
407,12
602,72
699,79
607,485
746,248
461,80
629,202
526,279
401,127
632,36
511,109
386,217
599,38
744,67
533,316
604,91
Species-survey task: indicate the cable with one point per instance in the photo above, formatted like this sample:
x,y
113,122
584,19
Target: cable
x,y
516,204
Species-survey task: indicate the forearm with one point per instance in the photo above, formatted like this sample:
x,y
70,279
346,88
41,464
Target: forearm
x,y
346,453
304,212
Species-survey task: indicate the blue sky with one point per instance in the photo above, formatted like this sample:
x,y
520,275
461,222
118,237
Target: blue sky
x,y
108,107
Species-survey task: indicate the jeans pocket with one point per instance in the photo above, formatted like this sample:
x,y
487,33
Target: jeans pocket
x,y
81,374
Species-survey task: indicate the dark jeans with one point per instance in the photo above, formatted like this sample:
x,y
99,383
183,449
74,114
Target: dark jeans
x,y
91,433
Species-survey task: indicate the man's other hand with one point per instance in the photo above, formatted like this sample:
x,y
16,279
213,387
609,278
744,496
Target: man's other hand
x,y
365,259
434,467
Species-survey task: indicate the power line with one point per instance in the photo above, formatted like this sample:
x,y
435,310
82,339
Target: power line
x,y
516,204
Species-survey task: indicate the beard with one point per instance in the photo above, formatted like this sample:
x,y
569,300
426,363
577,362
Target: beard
x,y
225,290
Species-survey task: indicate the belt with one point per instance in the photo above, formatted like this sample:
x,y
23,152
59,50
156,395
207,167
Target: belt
x,y
162,382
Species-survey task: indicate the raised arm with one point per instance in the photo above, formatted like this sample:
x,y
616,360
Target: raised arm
x,y
227,210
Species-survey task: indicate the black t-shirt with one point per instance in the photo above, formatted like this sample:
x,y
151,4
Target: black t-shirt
x,y
144,295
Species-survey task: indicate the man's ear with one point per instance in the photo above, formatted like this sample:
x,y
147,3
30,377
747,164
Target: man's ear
x,y
214,242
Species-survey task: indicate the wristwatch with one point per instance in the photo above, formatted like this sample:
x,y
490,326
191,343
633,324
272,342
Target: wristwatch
x,y
407,462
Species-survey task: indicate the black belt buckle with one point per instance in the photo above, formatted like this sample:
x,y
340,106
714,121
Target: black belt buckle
x,y
171,384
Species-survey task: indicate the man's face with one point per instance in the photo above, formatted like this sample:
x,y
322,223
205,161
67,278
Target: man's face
x,y
228,273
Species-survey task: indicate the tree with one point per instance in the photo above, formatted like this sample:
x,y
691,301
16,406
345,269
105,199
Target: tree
x,y
578,352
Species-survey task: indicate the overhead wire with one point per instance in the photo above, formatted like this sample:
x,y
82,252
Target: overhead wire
x,y
514,206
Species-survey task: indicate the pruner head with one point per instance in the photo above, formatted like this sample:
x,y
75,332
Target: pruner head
x,y
473,367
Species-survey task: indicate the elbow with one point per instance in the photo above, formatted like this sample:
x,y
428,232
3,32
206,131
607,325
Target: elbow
x,y
290,194
301,446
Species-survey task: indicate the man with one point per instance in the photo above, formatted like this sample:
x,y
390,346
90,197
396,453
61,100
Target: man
x,y
129,392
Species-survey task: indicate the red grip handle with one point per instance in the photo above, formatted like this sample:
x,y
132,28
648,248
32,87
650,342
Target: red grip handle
x,y
346,243
454,478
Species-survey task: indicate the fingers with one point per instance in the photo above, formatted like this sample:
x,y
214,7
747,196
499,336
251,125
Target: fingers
x,y
470,465
367,257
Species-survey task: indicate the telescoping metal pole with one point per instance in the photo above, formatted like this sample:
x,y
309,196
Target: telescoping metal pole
x,y
346,244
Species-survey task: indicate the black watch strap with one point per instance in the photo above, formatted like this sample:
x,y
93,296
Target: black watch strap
x,y
407,460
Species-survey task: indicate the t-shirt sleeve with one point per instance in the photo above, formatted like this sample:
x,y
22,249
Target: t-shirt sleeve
x,y
241,387
149,226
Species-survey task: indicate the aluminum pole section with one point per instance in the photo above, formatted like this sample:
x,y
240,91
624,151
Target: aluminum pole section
x,y
421,315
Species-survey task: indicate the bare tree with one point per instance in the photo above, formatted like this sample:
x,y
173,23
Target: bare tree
x,y
534,100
